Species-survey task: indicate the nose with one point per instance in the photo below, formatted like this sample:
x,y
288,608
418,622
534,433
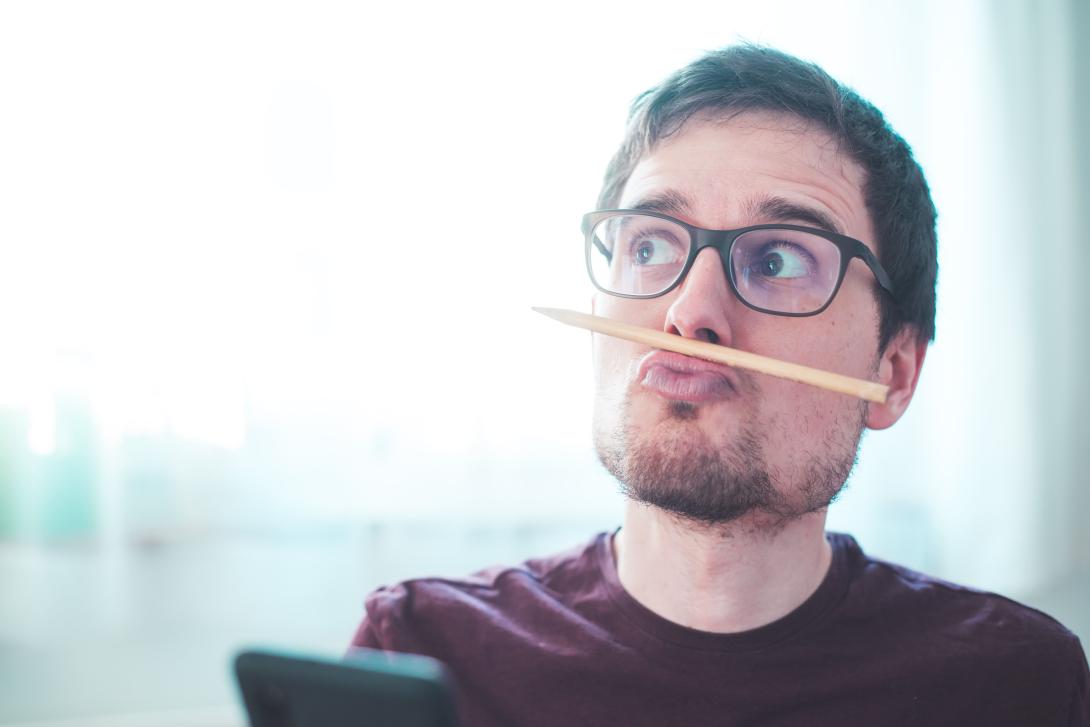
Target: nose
x,y
702,307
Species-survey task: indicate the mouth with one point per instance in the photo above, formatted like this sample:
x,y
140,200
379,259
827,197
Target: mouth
x,y
683,378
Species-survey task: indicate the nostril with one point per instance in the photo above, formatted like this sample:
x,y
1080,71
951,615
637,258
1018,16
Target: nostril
x,y
707,334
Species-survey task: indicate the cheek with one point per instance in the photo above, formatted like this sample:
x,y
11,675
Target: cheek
x,y
614,362
851,343
841,340
615,359
614,369
836,343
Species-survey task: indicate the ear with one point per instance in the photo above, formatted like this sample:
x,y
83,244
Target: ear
x,y
899,369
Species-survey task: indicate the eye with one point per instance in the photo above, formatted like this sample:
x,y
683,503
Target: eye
x,y
647,251
654,249
783,260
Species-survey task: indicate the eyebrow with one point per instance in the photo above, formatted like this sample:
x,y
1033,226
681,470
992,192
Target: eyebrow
x,y
770,209
778,209
669,202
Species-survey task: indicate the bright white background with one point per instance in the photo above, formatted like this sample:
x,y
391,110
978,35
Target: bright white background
x,y
265,339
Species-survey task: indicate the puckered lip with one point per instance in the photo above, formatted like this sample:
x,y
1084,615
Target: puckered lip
x,y
678,377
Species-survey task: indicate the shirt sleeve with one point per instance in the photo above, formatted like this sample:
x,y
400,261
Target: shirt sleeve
x,y
366,636
382,626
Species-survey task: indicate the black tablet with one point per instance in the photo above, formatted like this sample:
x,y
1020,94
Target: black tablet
x,y
368,688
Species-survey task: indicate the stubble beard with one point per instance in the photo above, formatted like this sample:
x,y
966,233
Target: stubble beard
x,y
676,467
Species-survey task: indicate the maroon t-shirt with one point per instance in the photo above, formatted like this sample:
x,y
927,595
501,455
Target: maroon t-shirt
x,y
558,641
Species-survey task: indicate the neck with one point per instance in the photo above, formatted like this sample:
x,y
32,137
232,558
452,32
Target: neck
x,y
723,578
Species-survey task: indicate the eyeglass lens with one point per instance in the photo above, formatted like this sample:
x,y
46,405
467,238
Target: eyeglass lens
x,y
786,271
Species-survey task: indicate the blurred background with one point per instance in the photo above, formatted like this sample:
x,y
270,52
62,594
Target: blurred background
x,y
265,338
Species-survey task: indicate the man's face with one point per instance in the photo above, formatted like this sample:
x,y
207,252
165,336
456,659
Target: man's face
x,y
714,443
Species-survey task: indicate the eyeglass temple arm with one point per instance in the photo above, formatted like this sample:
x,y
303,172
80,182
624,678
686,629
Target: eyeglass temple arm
x,y
601,248
863,252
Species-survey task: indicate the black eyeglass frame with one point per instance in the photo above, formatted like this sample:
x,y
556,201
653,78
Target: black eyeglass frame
x,y
723,240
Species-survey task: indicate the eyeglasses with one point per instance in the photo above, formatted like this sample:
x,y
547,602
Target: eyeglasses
x,y
785,270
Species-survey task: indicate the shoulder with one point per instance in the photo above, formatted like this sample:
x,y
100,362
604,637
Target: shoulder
x,y
400,616
957,621
961,645
921,598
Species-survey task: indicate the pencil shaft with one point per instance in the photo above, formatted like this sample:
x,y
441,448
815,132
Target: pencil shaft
x,y
869,390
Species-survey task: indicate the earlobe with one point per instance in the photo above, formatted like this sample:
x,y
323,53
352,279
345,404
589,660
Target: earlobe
x,y
899,369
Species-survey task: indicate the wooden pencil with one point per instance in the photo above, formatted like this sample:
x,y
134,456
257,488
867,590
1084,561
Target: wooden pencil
x,y
868,390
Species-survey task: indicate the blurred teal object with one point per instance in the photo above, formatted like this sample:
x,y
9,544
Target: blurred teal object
x,y
50,496
12,440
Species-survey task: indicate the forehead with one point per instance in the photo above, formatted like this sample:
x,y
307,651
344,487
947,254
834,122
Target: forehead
x,y
719,173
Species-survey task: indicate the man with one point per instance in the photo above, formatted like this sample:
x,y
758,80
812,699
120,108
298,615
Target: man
x,y
755,203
